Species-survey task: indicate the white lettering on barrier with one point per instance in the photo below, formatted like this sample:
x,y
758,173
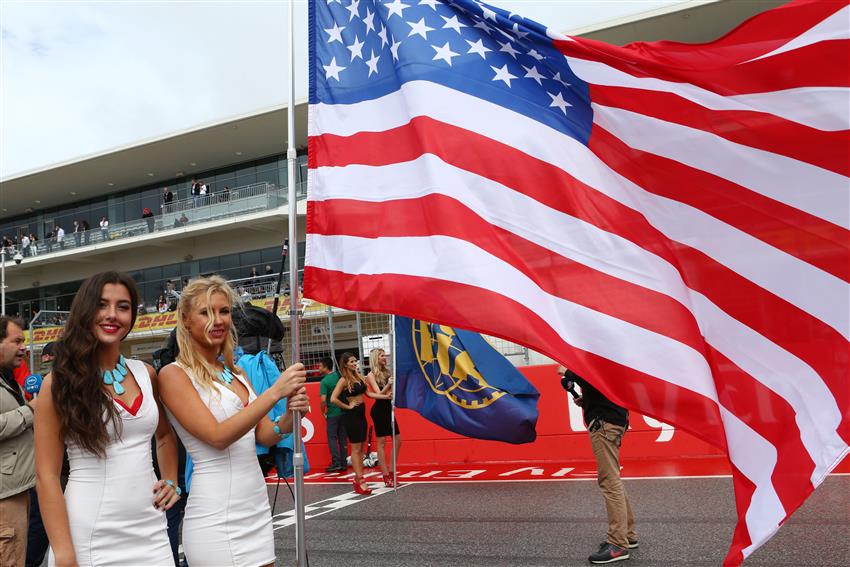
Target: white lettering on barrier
x,y
666,433
307,429
462,473
532,470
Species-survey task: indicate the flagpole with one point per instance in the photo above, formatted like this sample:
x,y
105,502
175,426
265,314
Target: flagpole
x,y
297,445
392,405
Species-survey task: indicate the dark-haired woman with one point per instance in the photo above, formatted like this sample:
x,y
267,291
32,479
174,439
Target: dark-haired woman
x,y
348,395
104,409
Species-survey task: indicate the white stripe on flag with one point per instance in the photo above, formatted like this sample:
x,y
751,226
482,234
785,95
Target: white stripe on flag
x,y
806,187
824,108
833,27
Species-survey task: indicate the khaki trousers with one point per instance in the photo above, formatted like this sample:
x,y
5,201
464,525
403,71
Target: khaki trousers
x,y
14,522
606,448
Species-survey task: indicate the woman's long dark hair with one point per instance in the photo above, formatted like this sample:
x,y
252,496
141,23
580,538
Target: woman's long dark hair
x,y
350,377
83,406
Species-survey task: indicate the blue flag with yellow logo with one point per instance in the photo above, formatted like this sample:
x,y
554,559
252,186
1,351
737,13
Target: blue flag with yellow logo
x,y
454,378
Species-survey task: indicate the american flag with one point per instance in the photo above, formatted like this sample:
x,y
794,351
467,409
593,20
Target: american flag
x,y
668,220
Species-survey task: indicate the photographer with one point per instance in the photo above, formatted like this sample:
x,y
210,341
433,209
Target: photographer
x,y
606,424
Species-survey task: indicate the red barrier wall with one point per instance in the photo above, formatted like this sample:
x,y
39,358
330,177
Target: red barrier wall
x,y
561,435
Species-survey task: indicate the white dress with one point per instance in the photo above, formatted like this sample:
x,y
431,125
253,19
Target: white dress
x,y
228,520
110,500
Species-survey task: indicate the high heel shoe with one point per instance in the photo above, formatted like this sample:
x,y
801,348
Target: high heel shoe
x,y
388,481
359,487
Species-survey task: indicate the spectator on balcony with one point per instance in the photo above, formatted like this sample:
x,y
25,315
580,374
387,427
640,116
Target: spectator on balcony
x,y
225,195
254,273
33,245
161,304
104,228
167,198
60,236
78,232
195,190
182,221
25,245
148,215
86,229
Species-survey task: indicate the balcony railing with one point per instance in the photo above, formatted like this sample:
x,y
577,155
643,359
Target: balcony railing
x,y
174,215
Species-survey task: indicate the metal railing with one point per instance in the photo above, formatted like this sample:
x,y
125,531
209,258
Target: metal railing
x,y
177,214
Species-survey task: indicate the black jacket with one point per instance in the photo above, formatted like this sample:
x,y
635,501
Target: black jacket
x,y
595,405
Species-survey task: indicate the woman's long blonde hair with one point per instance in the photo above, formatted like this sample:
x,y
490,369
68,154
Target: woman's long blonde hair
x,y
205,373
380,371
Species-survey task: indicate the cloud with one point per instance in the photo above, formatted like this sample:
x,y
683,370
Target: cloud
x,y
79,78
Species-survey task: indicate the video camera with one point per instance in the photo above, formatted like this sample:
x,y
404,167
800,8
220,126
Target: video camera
x,y
570,386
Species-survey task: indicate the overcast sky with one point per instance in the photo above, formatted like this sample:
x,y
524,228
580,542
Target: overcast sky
x,y
78,78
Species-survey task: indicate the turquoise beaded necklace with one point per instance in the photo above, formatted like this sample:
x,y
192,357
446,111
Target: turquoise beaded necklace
x,y
115,376
226,376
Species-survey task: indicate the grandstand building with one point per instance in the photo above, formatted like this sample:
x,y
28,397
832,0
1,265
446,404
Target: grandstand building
x,y
239,224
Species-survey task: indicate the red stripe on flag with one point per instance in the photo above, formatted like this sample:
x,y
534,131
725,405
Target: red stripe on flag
x,y
802,67
756,36
795,232
744,490
828,150
481,310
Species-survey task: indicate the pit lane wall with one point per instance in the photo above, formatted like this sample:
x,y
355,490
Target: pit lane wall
x,y
561,435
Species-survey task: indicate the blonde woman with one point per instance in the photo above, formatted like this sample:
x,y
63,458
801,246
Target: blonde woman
x,y
348,395
219,418
381,390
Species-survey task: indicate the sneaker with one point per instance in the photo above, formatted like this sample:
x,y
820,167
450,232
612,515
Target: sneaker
x,y
609,553
633,544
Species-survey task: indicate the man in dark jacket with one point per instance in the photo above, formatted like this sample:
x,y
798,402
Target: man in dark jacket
x,y
606,424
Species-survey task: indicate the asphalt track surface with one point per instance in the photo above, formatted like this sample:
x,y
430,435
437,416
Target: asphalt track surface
x,y
680,521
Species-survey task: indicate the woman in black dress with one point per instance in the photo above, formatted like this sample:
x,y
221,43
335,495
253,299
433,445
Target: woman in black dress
x,y
348,395
381,390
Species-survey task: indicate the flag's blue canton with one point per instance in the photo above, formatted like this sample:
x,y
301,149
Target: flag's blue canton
x,y
365,49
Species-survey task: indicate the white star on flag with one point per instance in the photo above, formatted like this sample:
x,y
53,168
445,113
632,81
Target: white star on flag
x,y
430,3
536,55
335,33
489,14
368,20
483,27
478,47
519,34
394,49
354,7
333,69
373,63
533,73
419,28
557,78
383,35
356,48
453,23
444,53
558,101
508,48
503,74
396,7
